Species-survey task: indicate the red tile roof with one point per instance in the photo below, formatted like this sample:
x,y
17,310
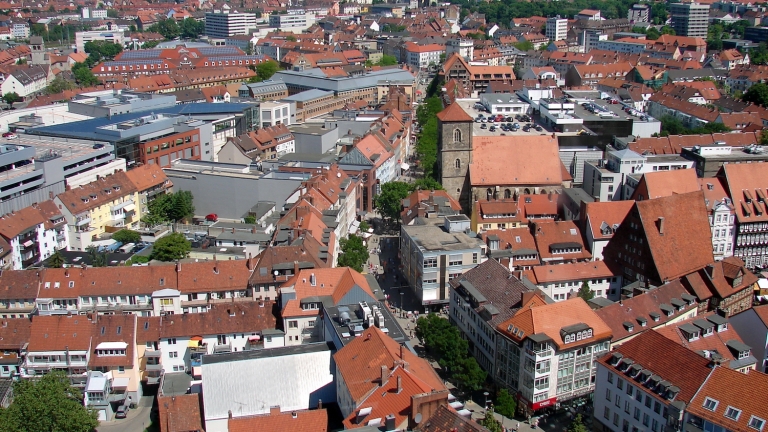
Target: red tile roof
x,y
113,328
228,317
14,333
550,319
665,183
296,421
180,413
745,392
640,307
745,186
572,271
669,360
454,113
609,212
60,333
558,235
535,163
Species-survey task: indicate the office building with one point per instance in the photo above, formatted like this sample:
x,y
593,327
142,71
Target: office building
x,y
557,28
224,24
83,37
291,21
639,13
690,19
433,251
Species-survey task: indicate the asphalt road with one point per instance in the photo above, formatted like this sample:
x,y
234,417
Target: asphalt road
x,y
136,421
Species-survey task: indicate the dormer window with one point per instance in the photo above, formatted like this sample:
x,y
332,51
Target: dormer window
x,y
743,354
732,413
710,404
756,423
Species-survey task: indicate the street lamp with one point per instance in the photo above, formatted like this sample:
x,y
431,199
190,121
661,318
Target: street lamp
x,y
486,399
402,294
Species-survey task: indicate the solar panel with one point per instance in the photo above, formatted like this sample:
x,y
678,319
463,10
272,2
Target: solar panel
x,y
132,63
141,54
216,51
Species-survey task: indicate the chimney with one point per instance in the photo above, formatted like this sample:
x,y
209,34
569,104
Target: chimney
x,y
661,225
248,262
295,267
178,267
274,410
401,352
229,414
399,384
319,404
384,376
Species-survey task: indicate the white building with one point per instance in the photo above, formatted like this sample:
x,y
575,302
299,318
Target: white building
x,y
506,104
546,353
34,233
423,56
275,113
291,22
294,378
222,24
557,28
26,82
481,299
639,13
561,282
646,383
20,31
464,47
94,13
433,251
82,37
722,217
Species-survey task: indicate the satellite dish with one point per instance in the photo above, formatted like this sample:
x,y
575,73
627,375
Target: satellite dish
x,y
417,419
276,273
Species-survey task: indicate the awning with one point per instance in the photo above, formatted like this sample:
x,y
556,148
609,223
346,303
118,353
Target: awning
x,y
193,344
354,227
130,207
120,382
111,345
27,243
404,166
196,338
254,338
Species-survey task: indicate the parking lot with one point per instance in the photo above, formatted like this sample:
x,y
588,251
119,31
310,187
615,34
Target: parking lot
x,y
485,128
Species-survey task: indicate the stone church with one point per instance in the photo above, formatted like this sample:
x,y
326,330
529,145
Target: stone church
x,y
491,166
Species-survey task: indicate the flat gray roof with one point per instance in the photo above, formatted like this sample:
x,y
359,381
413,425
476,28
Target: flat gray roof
x,y
430,235
264,353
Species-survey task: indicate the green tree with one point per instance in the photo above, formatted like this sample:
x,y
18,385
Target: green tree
x,y
524,46
427,184
249,219
150,44
191,28
659,12
490,422
57,260
290,38
112,13
83,75
364,227
652,33
577,425
171,248
387,60
47,404
667,30
265,70
22,61
58,85
585,292
166,27
470,375
11,98
389,201
98,259
506,404
181,206
126,236
757,94
671,126
353,254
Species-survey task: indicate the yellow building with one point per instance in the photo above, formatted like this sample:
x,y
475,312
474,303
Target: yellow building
x,y
106,204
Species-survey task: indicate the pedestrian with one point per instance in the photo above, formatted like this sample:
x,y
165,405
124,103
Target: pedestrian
x,y
518,426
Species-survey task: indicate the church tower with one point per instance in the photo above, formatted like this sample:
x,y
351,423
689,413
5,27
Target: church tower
x,y
454,153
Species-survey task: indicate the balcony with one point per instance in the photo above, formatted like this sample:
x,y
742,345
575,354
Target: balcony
x,y
222,348
119,216
153,367
82,221
149,352
127,205
121,307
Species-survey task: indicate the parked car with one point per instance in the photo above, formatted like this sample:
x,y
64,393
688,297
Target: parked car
x,y
122,412
10,135
539,128
213,217
483,126
492,129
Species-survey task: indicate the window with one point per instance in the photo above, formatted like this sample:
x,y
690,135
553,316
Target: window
x,y
457,163
172,341
655,426
173,354
630,389
607,413
610,377
626,406
637,413
646,420
293,324
474,258
617,401
620,384
121,369
616,419
457,135
430,262
710,404
657,407
732,413
756,423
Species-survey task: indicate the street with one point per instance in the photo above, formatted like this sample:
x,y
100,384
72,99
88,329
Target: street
x,y
136,421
